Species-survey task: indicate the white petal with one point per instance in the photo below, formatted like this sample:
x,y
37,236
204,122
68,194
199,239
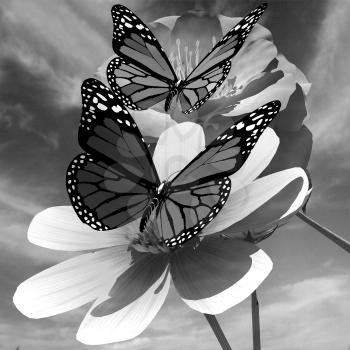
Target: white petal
x,y
257,161
100,74
168,21
249,198
60,228
176,147
71,283
128,322
151,122
260,268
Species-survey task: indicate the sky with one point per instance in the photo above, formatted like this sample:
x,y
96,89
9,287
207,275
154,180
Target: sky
x,y
47,49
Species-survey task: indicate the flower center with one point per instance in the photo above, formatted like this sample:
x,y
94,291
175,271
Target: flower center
x,y
184,59
149,241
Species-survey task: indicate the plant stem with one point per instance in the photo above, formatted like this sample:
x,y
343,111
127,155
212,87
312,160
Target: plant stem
x,y
341,242
255,322
220,336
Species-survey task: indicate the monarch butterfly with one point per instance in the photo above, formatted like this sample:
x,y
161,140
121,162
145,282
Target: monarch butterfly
x,y
143,75
116,181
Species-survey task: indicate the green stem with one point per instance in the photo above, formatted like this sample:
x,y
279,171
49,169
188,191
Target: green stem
x,y
340,241
220,336
255,322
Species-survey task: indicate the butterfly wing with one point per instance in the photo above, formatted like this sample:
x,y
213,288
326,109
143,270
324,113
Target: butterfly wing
x,y
135,86
102,196
113,183
188,209
197,91
228,152
211,72
200,190
149,67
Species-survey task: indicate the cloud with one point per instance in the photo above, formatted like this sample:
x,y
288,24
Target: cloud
x,y
46,50
315,310
330,76
329,109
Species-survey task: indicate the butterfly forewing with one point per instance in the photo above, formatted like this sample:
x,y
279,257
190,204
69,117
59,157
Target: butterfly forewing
x,y
113,184
229,45
108,131
133,41
137,89
101,195
214,68
228,152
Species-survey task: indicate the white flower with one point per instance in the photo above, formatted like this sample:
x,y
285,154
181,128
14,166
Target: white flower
x,y
128,287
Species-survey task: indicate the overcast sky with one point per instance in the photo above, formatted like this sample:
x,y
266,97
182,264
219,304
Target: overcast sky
x,y
47,48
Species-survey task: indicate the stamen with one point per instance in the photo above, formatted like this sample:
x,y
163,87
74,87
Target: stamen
x,y
184,63
197,52
213,40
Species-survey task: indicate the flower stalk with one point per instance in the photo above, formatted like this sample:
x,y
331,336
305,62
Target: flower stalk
x,y
220,336
340,241
255,321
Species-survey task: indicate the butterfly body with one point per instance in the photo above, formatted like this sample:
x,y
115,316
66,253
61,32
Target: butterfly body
x,y
143,75
116,181
174,90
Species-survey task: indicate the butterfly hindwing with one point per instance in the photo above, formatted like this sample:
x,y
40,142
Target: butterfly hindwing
x,y
135,86
228,152
197,91
103,197
188,210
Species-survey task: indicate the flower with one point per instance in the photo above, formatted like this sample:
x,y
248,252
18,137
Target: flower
x,y
258,75
128,283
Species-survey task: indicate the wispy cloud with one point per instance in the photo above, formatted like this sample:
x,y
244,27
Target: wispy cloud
x,y
330,77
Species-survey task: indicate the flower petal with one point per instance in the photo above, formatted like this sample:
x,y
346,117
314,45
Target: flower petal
x,y
71,283
273,213
176,147
294,150
151,122
277,82
100,74
60,228
246,200
293,116
168,21
257,161
219,274
130,319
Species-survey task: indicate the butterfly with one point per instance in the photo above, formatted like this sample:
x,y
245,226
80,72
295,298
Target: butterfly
x,y
143,76
116,181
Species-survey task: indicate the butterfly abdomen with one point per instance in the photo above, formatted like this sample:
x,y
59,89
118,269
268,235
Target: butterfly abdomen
x,y
151,207
158,198
169,100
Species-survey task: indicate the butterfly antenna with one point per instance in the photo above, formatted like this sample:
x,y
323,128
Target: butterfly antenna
x,y
172,174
